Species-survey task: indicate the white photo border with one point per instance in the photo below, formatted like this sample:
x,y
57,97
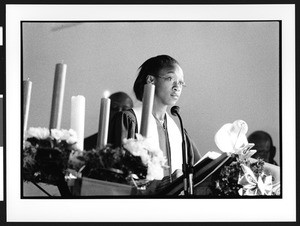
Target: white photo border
x,y
141,210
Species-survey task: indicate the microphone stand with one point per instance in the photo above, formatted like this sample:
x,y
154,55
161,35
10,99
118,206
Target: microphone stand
x,y
187,166
191,175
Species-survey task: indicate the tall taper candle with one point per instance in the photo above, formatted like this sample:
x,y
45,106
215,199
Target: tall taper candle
x,y
103,123
58,95
27,85
77,118
148,97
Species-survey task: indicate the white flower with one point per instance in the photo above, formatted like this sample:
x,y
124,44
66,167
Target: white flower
x,y
56,134
137,147
152,158
38,132
156,165
69,136
276,188
253,185
154,171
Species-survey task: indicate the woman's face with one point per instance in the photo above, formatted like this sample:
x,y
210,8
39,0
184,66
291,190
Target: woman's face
x,y
168,85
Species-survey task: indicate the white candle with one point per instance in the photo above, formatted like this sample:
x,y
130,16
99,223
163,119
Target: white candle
x,y
77,118
58,95
27,85
103,123
148,97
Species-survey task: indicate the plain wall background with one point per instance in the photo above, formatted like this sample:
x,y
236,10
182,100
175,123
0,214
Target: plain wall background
x,y
231,69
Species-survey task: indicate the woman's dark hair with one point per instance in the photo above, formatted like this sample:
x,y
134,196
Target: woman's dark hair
x,y
152,67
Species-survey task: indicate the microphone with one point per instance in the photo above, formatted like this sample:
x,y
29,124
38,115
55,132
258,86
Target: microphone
x,y
175,110
188,178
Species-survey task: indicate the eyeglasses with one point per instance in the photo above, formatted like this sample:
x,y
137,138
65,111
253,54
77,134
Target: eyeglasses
x,y
173,81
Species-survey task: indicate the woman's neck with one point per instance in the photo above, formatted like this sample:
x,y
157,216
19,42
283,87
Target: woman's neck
x,y
159,111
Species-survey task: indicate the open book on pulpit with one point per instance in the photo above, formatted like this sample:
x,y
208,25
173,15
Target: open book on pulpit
x,y
203,169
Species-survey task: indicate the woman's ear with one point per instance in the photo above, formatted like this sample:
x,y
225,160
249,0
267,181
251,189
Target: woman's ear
x,y
150,79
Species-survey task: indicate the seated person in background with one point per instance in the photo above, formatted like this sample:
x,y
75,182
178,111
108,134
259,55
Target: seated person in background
x,y
264,146
120,101
166,74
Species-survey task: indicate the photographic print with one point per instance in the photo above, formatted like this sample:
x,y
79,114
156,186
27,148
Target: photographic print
x,y
119,107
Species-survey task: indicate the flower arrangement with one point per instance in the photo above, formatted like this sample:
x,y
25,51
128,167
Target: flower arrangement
x,y
150,157
244,178
46,154
135,163
49,155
